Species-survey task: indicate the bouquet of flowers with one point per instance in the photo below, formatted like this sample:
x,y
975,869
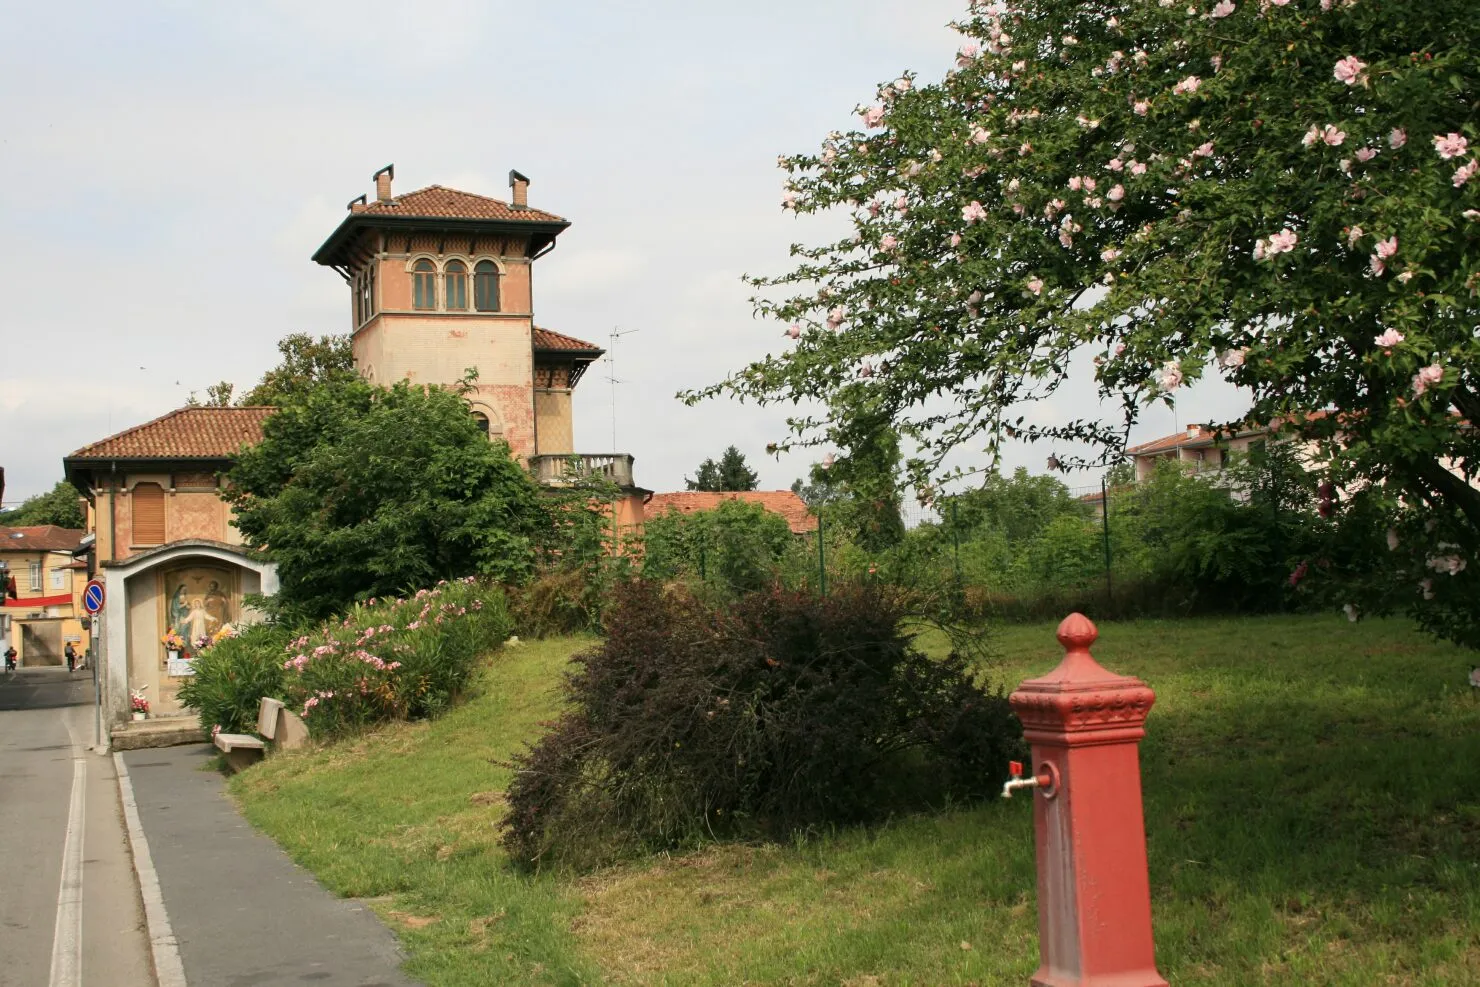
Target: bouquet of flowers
x,y
137,700
173,641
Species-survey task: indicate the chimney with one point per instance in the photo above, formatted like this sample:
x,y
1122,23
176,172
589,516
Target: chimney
x,y
383,183
520,185
1194,431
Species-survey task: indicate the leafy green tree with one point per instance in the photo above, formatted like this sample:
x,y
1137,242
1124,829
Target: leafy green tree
x,y
306,363
1020,506
730,473
1280,193
737,545
61,506
359,491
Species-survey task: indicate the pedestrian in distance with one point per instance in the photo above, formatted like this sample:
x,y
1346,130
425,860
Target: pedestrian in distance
x,y
71,654
10,658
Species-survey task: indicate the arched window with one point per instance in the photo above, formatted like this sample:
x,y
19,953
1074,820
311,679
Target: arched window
x,y
482,421
485,286
456,285
148,514
424,284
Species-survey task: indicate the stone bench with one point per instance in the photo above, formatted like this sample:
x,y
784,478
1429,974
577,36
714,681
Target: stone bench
x,y
242,750
275,724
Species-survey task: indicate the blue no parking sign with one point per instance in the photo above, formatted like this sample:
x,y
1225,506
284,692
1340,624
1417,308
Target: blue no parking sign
x,y
93,596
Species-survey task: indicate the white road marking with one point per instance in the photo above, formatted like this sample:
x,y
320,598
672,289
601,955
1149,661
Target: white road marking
x,y
66,942
168,970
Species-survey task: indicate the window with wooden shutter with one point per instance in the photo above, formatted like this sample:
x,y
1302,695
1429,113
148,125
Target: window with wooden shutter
x,y
148,504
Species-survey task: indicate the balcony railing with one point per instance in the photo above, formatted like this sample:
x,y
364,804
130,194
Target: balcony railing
x,y
566,468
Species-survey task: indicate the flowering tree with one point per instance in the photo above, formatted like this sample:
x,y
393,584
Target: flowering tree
x,y
1282,192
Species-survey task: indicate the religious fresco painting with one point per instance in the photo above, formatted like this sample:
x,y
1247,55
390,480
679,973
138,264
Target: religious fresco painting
x,y
199,605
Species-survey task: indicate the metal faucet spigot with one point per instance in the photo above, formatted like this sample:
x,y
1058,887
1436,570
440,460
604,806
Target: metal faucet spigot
x,y
1018,781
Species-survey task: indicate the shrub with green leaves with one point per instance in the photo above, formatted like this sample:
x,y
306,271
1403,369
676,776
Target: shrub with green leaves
x,y
736,546
232,676
399,658
761,716
406,657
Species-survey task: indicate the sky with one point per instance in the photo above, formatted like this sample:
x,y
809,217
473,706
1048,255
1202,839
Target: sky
x,y
167,169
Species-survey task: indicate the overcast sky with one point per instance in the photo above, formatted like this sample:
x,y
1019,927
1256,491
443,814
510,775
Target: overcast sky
x,y
167,168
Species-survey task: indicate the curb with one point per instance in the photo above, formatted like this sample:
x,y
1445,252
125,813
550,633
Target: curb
x,y
163,949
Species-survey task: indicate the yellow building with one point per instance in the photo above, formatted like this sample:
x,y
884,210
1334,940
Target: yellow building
x,y
43,593
165,548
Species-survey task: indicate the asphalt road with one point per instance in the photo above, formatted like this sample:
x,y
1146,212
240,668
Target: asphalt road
x,y
70,914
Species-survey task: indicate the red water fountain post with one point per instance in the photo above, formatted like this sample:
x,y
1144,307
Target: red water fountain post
x,y
1094,895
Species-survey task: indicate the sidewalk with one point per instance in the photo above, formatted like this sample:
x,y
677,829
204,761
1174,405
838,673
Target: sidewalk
x,y
242,912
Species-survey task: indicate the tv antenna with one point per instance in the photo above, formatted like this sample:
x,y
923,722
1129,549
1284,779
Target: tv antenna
x,y
611,373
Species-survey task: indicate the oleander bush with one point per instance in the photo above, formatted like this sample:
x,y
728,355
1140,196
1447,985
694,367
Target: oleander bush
x,y
399,658
757,716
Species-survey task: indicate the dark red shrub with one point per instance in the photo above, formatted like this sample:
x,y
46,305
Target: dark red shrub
x,y
778,712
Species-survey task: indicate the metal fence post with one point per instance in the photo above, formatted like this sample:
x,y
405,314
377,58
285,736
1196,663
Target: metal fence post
x,y
956,539
1105,527
821,558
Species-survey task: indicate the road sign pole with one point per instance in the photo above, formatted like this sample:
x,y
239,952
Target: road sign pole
x,y
95,661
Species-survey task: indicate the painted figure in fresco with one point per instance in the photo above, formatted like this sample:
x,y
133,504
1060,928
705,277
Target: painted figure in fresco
x,y
179,610
217,604
197,624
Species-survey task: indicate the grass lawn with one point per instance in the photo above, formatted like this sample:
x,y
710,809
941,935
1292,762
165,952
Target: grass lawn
x,y
1312,798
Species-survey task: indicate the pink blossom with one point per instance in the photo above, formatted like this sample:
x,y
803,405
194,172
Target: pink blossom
x,y
1222,9
1282,242
955,239
1089,184
902,204
1332,135
1076,183
1376,265
1353,235
828,460
1025,150
1170,376
1450,145
1035,285
1450,564
974,213
1397,138
873,116
1138,167
980,135
1115,164
866,370
1392,539
836,316
1109,254
1466,172
1426,586
969,51
889,242
1388,339
1233,358
1116,193
1365,154
1312,136
1426,378
1387,248
1349,70
1119,348
902,84
1204,150
1140,107
794,330
1187,85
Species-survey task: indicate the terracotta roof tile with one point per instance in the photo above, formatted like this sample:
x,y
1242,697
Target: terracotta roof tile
x,y
186,433
440,202
549,339
782,502
39,538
